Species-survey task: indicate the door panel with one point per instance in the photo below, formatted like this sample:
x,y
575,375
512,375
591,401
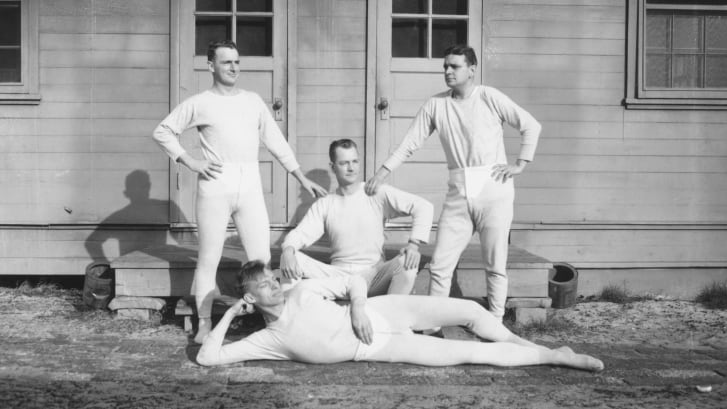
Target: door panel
x,y
264,75
407,82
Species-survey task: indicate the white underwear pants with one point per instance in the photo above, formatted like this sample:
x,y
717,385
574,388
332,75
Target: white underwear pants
x,y
236,192
475,203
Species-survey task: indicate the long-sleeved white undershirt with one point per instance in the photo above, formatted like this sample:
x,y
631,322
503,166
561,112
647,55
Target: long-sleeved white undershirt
x,y
230,129
311,328
355,223
470,129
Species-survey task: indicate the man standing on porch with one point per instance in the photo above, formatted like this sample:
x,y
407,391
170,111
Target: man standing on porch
x,y
480,198
231,123
354,223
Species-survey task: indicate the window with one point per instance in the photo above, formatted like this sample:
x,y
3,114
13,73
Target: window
x,y
18,52
248,22
677,54
425,28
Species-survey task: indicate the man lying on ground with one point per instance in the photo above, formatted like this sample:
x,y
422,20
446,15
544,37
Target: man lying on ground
x,y
305,324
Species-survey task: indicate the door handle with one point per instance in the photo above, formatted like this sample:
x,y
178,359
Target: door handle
x,y
278,109
383,107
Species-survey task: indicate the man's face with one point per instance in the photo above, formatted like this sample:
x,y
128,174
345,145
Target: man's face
x,y
226,66
265,291
346,166
456,70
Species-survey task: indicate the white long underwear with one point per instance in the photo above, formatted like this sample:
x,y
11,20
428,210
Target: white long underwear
x,y
470,129
230,129
355,223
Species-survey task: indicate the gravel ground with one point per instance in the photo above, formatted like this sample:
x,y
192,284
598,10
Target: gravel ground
x,y
58,353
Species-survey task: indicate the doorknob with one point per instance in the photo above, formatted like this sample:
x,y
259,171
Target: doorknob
x,y
277,104
383,107
278,109
383,104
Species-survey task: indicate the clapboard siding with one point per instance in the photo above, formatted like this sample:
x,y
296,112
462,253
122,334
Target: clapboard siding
x,y
104,82
331,81
596,162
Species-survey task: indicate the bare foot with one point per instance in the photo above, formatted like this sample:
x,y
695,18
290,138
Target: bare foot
x,y
580,361
204,328
565,349
587,362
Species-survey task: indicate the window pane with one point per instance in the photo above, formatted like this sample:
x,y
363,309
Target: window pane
x,y
657,71
254,5
717,33
408,38
10,65
687,32
214,5
687,71
449,7
446,33
210,29
657,31
255,36
10,23
716,71
409,6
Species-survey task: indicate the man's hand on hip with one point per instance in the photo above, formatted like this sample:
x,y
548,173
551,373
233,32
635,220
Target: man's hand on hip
x,y
503,172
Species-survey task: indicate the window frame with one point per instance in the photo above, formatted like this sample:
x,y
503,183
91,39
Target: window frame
x,y
637,95
430,16
26,91
233,14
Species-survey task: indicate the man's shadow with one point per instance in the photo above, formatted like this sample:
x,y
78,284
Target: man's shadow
x,y
306,200
141,224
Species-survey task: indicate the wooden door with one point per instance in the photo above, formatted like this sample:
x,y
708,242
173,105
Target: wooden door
x,y
259,27
410,39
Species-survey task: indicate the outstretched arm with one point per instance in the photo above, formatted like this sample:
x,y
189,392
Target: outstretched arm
x,y
373,184
313,188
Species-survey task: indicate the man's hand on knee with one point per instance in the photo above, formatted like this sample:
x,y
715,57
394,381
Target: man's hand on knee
x,y
289,264
411,256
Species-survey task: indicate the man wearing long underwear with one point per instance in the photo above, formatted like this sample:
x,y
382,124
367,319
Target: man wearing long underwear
x,y
354,223
468,119
305,324
231,124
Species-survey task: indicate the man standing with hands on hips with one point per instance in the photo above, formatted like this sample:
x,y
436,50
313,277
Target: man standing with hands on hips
x,y
480,197
231,123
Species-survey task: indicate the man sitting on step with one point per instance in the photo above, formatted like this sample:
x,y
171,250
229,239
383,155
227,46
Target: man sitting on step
x,y
305,324
354,223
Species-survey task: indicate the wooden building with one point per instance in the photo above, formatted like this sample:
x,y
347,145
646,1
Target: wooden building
x,y
628,184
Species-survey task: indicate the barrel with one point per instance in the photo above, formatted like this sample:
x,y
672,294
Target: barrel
x,y
97,285
563,285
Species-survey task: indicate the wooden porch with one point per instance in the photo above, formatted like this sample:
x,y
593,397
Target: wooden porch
x,y
167,271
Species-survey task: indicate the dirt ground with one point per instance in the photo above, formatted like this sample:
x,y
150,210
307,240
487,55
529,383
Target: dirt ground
x,y
58,353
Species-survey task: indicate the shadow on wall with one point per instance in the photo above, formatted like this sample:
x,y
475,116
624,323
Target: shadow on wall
x,y
142,223
305,200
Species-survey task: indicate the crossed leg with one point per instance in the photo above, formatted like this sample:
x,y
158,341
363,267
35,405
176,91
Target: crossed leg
x,y
420,312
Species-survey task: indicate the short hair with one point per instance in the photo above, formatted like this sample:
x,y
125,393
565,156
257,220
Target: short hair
x,y
340,143
249,272
214,45
462,49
